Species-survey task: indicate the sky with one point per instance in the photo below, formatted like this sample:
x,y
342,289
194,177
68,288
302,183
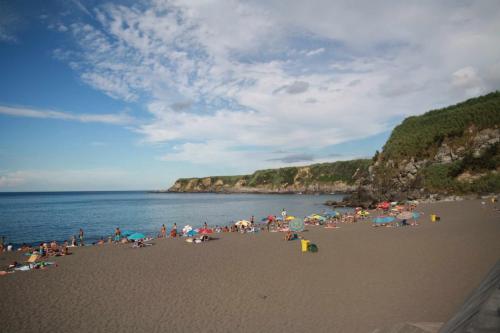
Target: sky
x,y
132,95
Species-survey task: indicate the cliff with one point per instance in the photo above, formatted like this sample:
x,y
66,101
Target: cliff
x,y
450,151
325,178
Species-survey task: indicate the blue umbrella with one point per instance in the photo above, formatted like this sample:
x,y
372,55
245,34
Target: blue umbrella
x,y
127,233
191,233
383,219
136,236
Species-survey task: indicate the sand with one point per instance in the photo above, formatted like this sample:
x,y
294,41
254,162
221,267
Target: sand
x,y
361,279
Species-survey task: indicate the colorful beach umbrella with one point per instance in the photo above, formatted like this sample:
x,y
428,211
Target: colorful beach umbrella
x,y
205,231
127,232
244,223
296,225
136,236
290,217
383,219
187,228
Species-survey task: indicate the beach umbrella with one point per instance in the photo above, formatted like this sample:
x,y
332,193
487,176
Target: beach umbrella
x,y
405,215
136,236
205,231
384,205
127,232
186,229
191,233
383,219
296,225
290,217
332,214
244,223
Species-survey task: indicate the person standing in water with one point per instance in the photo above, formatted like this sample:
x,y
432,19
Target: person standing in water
x,y
118,234
80,235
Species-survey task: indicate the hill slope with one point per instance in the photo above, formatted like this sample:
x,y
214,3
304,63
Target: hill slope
x,y
325,177
454,150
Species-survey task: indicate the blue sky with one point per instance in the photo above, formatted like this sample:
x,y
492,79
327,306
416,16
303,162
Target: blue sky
x,y
132,95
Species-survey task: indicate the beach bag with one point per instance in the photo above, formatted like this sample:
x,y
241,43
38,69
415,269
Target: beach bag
x,y
313,248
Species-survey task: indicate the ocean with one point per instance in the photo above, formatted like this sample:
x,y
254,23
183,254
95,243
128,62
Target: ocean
x,y
33,217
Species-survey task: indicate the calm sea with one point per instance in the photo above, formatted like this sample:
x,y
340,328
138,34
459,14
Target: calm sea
x,y
35,217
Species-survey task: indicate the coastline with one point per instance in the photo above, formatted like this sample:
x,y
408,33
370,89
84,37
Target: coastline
x,y
361,279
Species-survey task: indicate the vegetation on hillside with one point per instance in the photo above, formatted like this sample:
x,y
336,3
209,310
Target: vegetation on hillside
x,y
317,173
417,134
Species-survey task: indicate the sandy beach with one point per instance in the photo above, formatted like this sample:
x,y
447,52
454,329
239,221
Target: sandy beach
x,y
362,278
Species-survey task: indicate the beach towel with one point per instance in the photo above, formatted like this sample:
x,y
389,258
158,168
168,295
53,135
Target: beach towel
x,y
33,258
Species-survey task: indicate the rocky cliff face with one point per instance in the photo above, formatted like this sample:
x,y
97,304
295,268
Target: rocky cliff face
x,y
318,178
409,177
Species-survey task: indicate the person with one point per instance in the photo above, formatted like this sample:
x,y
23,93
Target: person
x,y
81,237
252,220
118,234
163,232
73,241
2,242
173,232
205,225
283,214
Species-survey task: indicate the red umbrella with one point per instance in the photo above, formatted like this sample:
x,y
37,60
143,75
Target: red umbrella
x,y
384,205
205,231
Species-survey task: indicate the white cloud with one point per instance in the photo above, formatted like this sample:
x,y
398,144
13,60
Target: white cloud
x,y
467,78
112,118
65,179
315,52
217,85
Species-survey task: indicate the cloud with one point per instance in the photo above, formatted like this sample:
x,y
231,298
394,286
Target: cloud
x,y
315,52
468,79
64,179
115,119
180,106
234,89
294,158
12,179
296,87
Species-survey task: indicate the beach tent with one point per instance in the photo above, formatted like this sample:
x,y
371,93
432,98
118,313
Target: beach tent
x,y
296,225
244,223
136,236
383,219
187,228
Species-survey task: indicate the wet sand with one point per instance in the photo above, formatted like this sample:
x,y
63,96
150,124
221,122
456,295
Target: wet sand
x,y
361,279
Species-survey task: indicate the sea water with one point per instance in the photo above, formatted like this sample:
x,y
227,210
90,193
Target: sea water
x,y
35,217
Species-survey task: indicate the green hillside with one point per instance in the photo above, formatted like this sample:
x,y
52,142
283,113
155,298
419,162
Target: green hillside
x,y
455,150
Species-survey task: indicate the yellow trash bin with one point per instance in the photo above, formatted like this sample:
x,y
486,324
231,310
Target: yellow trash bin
x,y
305,244
433,217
